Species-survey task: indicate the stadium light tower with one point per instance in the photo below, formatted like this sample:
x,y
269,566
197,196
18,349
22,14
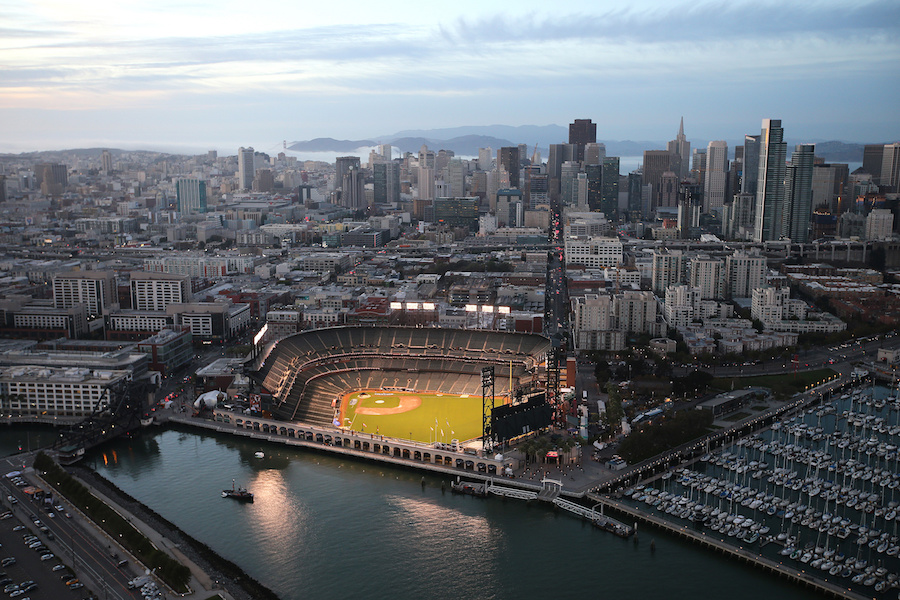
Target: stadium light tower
x,y
487,405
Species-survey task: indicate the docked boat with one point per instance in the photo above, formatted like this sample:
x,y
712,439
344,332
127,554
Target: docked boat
x,y
238,493
260,454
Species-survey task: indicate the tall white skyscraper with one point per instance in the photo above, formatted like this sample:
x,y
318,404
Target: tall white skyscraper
x,y
770,192
456,176
426,183
879,224
245,168
485,158
716,175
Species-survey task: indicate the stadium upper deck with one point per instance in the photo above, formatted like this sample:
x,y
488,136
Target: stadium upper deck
x,y
308,371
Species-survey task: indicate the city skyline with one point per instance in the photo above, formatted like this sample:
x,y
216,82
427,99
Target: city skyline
x,y
201,76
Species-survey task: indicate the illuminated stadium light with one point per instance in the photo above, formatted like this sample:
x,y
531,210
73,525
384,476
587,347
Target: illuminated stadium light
x,y
428,306
471,308
486,308
503,310
262,332
412,306
396,305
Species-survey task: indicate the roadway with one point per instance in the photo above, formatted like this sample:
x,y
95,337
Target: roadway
x,y
76,544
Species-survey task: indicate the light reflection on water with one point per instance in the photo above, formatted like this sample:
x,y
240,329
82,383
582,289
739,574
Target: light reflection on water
x,y
327,526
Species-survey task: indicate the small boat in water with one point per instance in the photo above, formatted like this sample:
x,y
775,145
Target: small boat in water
x,y
260,454
238,493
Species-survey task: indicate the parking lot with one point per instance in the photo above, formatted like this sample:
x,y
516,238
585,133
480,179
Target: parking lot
x,y
45,553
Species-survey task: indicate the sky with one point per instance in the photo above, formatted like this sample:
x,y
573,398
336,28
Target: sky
x,y
193,75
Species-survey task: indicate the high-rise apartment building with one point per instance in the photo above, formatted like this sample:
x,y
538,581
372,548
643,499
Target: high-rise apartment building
x,y
799,193
246,168
744,272
716,175
879,224
156,291
750,167
770,192
95,289
707,277
190,195
668,269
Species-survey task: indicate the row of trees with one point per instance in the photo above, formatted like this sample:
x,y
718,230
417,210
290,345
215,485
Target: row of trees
x,y
651,440
173,573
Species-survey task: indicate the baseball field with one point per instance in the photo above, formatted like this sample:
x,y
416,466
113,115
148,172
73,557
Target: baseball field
x,y
412,415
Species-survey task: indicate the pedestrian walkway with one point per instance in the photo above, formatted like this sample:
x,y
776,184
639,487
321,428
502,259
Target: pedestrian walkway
x,y
201,584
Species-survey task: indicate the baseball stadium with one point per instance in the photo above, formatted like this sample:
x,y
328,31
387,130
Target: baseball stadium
x,y
421,384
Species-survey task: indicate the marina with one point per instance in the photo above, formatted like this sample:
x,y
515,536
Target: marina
x,y
815,497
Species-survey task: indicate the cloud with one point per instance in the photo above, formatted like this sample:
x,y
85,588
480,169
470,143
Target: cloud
x,y
678,23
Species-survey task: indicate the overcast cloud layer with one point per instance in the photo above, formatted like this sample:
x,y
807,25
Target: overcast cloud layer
x,y
198,74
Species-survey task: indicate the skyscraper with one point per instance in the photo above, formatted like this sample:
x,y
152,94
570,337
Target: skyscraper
x,y
595,185
582,132
456,176
485,158
873,155
609,201
799,193
245,168
594,153
353,193
508,158
342,164
750,169
656,162
890,168
559,153
770,203
386,182
716,171
681,148
190,195
106,162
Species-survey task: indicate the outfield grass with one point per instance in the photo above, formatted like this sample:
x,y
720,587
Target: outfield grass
x,y
432,418
781,385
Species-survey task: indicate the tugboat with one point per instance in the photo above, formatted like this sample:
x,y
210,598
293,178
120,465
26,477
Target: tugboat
x,y
238,493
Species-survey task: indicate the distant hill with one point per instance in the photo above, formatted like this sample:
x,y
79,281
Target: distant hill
x,y
842,152
330,145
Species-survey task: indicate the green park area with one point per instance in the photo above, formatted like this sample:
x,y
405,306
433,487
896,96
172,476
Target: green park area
x,y
782,386
411,415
